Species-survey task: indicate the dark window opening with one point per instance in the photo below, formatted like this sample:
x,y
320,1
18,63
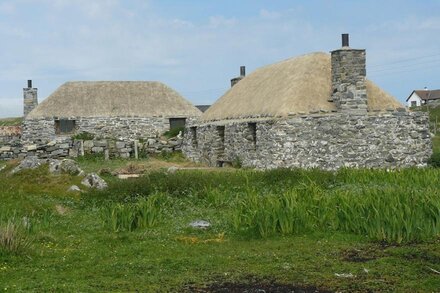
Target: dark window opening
x,y
64,126
252,128
221,135
413,103
193,131
177,123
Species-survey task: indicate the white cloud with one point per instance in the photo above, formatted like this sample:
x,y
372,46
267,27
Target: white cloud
x,y
221,21
266,14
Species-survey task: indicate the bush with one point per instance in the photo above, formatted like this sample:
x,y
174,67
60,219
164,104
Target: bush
x,y
84,136
434,161
174,132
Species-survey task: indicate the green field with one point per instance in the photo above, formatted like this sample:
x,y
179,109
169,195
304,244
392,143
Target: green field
x,y
11,121
353,230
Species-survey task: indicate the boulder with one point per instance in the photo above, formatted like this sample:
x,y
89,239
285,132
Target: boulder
x,y
54,166
73,188
172,170
30,162
71,167
200,224
92,180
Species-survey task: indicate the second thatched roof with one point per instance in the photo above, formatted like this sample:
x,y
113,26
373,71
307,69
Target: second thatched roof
x,y
293,86
114,99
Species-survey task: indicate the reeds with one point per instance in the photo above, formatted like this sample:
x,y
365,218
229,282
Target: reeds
x,y
143,213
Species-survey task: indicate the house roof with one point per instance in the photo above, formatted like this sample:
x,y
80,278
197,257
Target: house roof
x,y
114,99
203,108
297,85
426,94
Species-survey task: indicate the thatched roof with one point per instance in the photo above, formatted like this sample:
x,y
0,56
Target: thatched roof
x,y
114,99
297,85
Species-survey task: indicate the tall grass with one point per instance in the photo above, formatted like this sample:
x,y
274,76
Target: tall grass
x,y
143,213
393,206
13,239
393,215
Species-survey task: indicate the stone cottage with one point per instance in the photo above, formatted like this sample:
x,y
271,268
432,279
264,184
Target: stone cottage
x,y
107,109
315,110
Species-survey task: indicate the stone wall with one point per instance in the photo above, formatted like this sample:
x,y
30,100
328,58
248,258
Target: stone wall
x,y
102,127
67,147
9,133
327,141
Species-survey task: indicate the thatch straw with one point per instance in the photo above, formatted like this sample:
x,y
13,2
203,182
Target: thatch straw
x,y
114,99
298,85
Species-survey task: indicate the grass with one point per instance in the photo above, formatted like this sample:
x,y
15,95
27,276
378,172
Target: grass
x,y
11,121
292,226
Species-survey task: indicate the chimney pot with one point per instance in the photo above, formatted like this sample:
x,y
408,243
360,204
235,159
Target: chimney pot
x,y
29,83
242,70
345,40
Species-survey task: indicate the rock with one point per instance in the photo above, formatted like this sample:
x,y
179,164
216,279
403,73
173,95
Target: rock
x,y
31,162
32,147
88,144
2,167
200,224
71,167
92,180
172,170
54,166
97,150
73,188
151,141
5,149
120,144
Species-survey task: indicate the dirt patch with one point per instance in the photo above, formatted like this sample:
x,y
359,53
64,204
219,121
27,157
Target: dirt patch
x,y
423,255
363,254
261,286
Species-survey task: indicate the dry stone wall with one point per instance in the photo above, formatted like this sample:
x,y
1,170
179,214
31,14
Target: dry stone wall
x,y
67,147
328,141
102,127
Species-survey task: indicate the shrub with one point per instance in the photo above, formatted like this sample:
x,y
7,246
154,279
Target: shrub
x,y
174,132
434,160
84,136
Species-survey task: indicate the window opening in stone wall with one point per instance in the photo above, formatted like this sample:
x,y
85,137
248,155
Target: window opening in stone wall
x,y
64,126
177,123
193,131
252,129
221,135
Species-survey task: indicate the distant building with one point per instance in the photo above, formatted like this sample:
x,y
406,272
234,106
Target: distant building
x,y
421,97
203,108
107,109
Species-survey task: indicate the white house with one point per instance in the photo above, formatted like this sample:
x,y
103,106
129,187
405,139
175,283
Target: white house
x,y
422,97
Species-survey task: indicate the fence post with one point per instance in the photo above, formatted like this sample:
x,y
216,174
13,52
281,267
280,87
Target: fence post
x,y
136,154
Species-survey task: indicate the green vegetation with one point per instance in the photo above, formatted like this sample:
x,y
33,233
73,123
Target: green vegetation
x,y
305,227
11,121
84,136
174,132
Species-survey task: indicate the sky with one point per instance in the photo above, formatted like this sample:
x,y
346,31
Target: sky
x,y
197,46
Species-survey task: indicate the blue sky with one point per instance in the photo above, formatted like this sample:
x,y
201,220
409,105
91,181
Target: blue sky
x,y
196,46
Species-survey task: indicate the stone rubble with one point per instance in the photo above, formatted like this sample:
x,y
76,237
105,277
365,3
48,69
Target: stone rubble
x,y
92,180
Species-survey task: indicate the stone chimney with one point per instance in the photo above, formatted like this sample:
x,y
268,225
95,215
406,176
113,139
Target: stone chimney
x,y
235,80
349,91
30,99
